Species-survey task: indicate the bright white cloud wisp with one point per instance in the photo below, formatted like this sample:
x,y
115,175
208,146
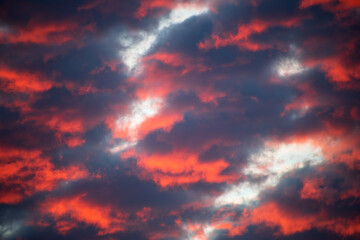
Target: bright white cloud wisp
x,y
139,112
271,164
136,45
288,67
139,43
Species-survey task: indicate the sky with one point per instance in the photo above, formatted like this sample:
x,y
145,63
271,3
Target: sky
x,y
180,120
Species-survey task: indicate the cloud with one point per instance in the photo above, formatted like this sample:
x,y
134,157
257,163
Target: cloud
x,y
288,67
14,81
179,119
128,125
25,172
138,44
105,218
270,164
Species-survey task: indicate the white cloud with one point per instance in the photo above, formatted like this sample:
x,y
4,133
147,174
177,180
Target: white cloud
x,y
139,112
130,122
288,67
179,15
283,158
122,146
137,44
243,193
8,230
271,163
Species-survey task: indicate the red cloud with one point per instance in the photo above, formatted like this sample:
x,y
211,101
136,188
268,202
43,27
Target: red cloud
x,y
338,70
74,141
147,5
187,63
78,209
179,67
311,189
341,4
317,189
180,168
307,100
144,214
46,33
244,32
23,82
273,215
25,172
308,3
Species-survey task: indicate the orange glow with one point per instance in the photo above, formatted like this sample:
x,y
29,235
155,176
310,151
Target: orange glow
x,y
245,31
342,4
273,215
144,214
180,60
355,113
336,70
183,168
210,96
61,122
153,75
346,150
23,82
307,100
349,4
10,197
65,125
74,141
153,84
180,119
49,33
161,121
39,173
64,227
104,217
311,189
308,3
147,5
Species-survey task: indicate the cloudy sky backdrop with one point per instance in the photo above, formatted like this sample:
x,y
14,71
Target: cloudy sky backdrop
x,y
180,120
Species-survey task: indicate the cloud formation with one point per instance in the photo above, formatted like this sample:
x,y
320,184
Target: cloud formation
x,y
188,119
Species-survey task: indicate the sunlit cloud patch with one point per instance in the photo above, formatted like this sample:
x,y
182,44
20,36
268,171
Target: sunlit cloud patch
x,y
270,165
127,125
287,67
137,44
